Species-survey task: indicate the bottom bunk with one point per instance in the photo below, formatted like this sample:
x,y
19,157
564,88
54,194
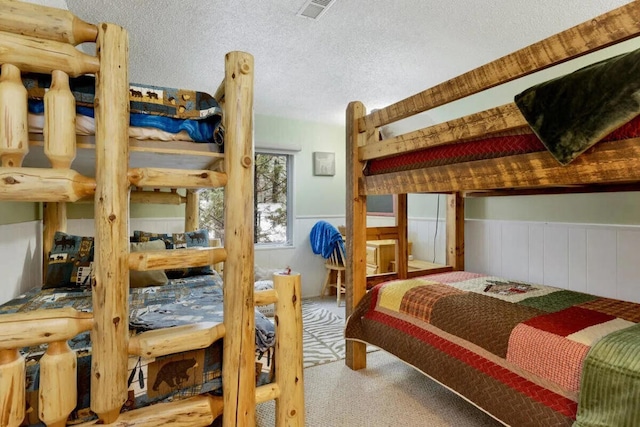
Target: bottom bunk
x,y
185,301
529,355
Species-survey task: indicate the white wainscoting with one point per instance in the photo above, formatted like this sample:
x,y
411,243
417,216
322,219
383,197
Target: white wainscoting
x,y
602,260
599,259
299,257
21,255
21,249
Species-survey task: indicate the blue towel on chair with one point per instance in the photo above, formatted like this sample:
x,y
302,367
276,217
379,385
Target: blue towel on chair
x,y
325,238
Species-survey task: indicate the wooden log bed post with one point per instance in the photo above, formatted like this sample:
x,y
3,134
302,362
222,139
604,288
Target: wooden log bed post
x,y
356,239
288,351
54,218
192,211
109,335
238,373
455,231
402,248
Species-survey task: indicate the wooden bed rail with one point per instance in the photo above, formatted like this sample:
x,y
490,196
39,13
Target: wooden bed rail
x,y
162,342
45,22
176,258
503,118
613,27
192,412
610,162
57,365
44,185
176,178
34,55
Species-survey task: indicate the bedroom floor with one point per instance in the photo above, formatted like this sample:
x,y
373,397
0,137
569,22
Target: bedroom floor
x,y
329,303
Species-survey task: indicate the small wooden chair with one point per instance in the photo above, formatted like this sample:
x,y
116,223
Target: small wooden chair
x,y
335,263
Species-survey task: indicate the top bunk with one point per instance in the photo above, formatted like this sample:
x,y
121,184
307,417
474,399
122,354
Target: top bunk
x,y
61,107
575,133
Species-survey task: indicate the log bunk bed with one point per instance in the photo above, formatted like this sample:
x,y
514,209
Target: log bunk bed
x,y
39,39
538,368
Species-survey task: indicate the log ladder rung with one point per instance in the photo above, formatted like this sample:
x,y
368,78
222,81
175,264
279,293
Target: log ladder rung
x,y
176,178
176,258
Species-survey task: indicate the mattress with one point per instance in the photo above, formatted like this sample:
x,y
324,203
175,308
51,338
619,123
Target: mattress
x,y
528,354
151,380
479,149
171,111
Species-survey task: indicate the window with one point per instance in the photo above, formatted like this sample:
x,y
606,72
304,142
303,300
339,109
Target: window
x,y
272,202
384,205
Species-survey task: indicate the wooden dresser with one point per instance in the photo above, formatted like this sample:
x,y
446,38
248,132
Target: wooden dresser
x,y
380,255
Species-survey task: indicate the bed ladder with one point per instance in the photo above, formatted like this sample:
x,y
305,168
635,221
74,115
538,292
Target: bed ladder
x,y
238,257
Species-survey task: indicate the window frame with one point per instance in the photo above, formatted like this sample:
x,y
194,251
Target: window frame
x,y
290,173
288,243
394,201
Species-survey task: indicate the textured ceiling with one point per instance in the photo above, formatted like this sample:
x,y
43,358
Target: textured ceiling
x,y
376,52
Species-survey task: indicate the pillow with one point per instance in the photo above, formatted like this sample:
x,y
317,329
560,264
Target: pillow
x,y
190,239
70,262
140,279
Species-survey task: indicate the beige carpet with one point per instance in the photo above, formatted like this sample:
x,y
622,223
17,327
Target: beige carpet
x,y
387,393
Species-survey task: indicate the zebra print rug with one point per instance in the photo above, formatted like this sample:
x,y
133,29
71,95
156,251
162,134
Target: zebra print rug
x,y
322,335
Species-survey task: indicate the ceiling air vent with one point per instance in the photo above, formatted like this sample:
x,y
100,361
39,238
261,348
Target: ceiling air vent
x,y
314,9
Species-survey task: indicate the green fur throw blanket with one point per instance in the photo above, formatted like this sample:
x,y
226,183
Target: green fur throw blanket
x,y
571,113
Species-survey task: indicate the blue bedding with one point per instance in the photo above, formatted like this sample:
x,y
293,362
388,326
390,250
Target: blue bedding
x,y
168,109
181,301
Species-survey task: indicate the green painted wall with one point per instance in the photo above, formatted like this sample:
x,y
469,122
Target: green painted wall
x,y
314,195
15,212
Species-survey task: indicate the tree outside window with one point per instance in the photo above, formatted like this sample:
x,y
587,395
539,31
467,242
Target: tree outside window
x,y
272,194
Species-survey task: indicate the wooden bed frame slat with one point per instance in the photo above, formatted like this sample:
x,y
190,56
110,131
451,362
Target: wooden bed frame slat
x,y
45,22
44,185
41,56
176,178
608,162
58,371
175,258
12,371
20,330
161,342
485,123
192,412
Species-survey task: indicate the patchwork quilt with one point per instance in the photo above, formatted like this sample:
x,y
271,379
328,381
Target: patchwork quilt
x,y
528,354
181,301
